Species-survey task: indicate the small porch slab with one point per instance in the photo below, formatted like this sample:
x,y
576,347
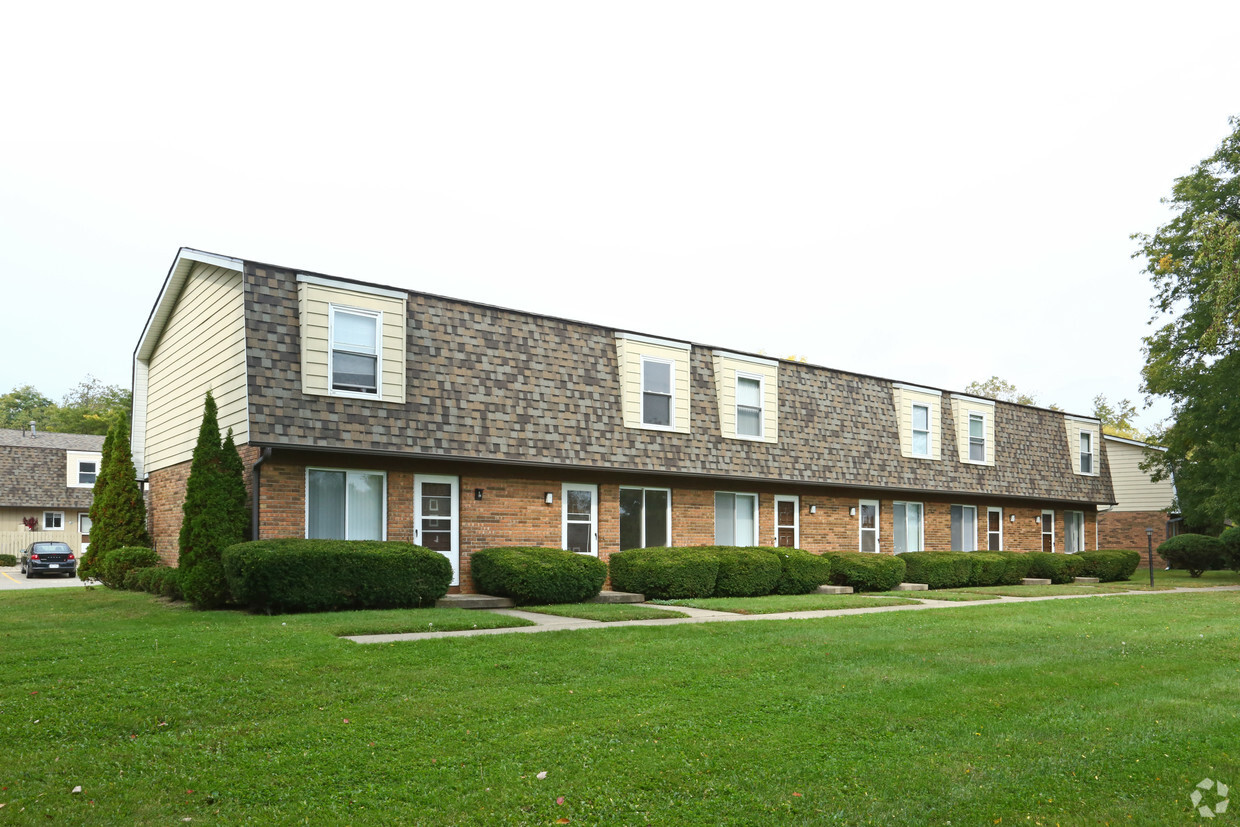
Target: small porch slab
x,y
617,597
834,590
473,601
1085,580
911,587
1035,581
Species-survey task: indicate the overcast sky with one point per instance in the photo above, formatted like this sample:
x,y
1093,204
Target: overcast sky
x,y
928,192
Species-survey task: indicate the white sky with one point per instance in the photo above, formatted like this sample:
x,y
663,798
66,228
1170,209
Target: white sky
x,y
929,192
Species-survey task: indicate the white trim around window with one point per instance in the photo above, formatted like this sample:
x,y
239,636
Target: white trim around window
x,y
924,432
357,350
796,518
641,512
86,476
909,523
1087,452
1074,531
1048,517
578,518
670,394
964,537
980,441
873,531
760,407
348,519
84,523
994,537
730,524
53,521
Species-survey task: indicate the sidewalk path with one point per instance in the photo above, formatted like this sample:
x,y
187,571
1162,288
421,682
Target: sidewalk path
x,y
555,623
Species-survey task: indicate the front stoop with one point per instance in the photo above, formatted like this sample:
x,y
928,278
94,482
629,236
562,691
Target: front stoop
x,y
911,587
617,597
1035,581
473,601
1085,580
834,590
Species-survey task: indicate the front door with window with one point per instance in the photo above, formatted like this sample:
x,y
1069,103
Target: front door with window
x,y
435,522
786,529
580,512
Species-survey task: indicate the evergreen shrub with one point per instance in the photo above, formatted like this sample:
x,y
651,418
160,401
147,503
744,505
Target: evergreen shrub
x,y
532,575
665,573
8,559
1058,568
1231,547
1195,552
1108,564
745,572
801,571
112,567
866,572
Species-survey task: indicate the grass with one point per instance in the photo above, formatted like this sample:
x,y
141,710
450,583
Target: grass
x,y
605,612
1058,712
775,603
399,621
953,595
1179,579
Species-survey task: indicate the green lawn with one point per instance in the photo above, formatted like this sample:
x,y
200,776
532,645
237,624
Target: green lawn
x,y
605,612
398,621
954,595
775,603
1179,579
1057,712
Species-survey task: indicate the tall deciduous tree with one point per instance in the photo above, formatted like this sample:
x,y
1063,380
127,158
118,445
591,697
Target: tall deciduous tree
x,y
208,525
1117,418
1192,357
118,511
22,405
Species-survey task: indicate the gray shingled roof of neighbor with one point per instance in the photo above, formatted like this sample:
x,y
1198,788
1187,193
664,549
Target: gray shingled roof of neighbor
x,y
33,470
487,384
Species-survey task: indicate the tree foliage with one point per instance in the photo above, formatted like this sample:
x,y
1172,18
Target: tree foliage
x,y
90,407
118,510
209,524
1002,390
1117,419
1191,359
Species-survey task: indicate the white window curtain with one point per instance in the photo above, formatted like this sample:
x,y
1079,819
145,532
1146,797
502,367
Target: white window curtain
x,y
735,516
964,528
907,526
344,505
748,406
921,430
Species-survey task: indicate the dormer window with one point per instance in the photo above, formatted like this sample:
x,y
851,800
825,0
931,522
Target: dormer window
x,y
355,351
921,430
977,438
748,405
657,393
1087,452
87,472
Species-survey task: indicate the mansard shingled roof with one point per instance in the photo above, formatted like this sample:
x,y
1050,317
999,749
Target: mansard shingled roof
x,y
33,469
497,385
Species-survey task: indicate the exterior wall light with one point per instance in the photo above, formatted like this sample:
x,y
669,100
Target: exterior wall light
x,y
548,498
813,509
852,511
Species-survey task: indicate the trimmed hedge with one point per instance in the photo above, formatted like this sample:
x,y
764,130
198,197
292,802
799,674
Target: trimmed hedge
x,y
1195,552
1108,564
802,571
327,575
939,569
1231,547
1058,568
745,572
8,559
157,580
537,575
866,572
111,567
665,573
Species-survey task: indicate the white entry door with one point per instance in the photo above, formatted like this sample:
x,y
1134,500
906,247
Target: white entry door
x,y
580,515
787,521
436,524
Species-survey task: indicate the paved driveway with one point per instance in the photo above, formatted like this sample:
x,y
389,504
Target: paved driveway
x,y
11,578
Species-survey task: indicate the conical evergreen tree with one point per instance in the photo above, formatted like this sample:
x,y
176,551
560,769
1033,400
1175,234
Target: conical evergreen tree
x,y
207,527
238,500
98,509
118,511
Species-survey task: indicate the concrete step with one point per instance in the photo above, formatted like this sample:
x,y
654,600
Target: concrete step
x,y
1035,581
617,597
1085,579
911,587
473,601
834,590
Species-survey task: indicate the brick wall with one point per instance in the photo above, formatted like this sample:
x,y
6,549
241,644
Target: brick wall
x,y
1126,529
165,500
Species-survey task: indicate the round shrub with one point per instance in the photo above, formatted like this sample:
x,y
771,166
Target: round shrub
x,y
665,573
745,572
989,568
1195,552
327,575
1231,547
111,567
8,559
1108,564
537,575
1058,568
802,571
939,569
867,572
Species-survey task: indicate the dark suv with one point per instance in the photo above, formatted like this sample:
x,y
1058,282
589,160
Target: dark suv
x,y
49,558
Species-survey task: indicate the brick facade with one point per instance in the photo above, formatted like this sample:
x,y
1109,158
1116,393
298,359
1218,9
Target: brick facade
x,y
513,510
165,499
1126,529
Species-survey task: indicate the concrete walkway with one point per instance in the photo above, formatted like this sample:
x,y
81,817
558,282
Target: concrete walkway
x,y
555,623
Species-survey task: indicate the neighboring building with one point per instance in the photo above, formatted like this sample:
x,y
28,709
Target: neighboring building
x,y
376,412
1140,502
46,480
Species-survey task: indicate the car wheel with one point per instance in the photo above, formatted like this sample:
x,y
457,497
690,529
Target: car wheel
x,y
29,574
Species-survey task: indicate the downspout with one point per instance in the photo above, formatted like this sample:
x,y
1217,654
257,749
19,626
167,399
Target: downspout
x,y
256,488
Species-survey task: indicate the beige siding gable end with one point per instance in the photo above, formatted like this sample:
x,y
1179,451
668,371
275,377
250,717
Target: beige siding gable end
x,y
314,303
630,350
727,367
1134,491
72,458
962,408
1074,428
905,398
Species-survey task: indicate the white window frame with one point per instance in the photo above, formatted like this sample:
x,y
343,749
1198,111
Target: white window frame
x,y
796,518
1087,436
377,315
915,430
1045,516
878,523
757,509
991,510
736,390
921,525
963,508
644,489
593,489
83,515
985,447
1079,518
58,517
671,404
371,471
82,462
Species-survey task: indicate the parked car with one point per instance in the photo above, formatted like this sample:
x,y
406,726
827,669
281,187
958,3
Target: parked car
x,y
48,558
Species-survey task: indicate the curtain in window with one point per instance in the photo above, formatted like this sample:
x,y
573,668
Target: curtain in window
x,y
630,518
914,526
899,516
746,506
964,528
725,519
656,518
365,506
325,506
656,393
748,406
921,430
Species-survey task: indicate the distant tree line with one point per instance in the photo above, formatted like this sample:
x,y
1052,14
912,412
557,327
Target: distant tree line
x,y
90,407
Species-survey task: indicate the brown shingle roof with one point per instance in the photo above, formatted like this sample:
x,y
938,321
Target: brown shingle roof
x,y
486,383
33,476
69,442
